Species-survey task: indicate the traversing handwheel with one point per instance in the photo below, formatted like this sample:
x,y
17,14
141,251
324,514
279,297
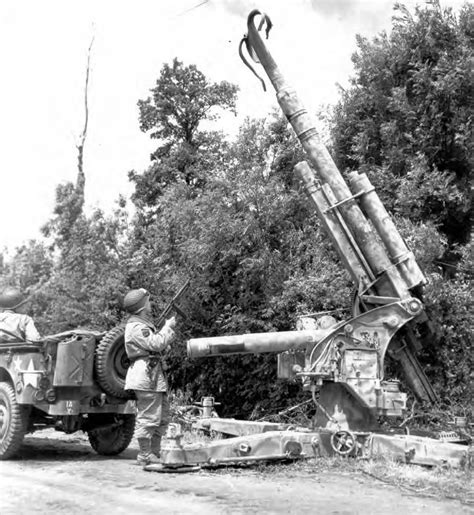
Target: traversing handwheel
x,y
343,442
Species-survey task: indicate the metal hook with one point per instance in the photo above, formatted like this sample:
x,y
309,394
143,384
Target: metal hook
x,y
265,20
245,41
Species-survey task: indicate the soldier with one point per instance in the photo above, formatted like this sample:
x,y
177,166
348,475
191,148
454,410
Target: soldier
x,y
145,347
15,325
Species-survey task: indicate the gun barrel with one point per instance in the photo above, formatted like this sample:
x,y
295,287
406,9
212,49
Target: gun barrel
x,y
254,343
390,283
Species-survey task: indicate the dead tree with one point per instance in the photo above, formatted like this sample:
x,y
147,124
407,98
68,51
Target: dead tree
x,y
81,178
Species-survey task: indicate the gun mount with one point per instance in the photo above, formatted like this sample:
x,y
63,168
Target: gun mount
x,y
342,362
348,356
345,362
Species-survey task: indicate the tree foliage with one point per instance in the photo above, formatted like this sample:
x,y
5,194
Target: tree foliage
x,y
81,287
88,281
181,101
406,119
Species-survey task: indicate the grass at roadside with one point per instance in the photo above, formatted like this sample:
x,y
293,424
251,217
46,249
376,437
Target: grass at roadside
x,y
435,482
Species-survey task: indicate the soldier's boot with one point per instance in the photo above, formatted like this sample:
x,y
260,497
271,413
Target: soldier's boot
x,y
145,456
156,445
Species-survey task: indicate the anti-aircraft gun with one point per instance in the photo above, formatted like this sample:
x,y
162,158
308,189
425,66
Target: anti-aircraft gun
x,y
344,362
341,363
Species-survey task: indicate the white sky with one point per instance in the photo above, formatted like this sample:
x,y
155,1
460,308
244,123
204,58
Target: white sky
x,y
43,54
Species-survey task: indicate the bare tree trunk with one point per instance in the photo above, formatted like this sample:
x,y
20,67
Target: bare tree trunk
x,y
81,178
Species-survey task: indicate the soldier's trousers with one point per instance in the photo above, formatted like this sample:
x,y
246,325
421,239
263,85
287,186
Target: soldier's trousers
x,y
153,414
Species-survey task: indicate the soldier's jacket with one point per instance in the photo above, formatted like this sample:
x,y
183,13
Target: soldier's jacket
x,y
17,327
144,346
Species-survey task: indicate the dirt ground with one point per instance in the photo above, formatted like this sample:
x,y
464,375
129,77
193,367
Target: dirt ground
x,y
56,473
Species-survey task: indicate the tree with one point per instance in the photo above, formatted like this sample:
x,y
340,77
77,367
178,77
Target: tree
x,y
70,197
83,273
89,280
406,119
181,101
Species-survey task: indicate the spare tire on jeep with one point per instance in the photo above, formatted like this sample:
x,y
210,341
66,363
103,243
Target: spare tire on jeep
x,y
111,363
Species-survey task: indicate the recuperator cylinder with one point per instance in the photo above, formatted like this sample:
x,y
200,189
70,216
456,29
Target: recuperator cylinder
x,y
399,253
346,246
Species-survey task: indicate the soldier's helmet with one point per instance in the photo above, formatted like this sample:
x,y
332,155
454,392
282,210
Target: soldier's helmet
x,y
11,298
135,300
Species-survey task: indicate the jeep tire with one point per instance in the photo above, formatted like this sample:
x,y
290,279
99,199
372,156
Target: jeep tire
x,y
115,435
13,422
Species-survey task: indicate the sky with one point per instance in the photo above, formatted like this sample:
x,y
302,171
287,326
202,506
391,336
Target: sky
x,y
44,55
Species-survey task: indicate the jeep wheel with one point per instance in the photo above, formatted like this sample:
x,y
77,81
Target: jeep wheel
x,y
115,435
12,422
111,363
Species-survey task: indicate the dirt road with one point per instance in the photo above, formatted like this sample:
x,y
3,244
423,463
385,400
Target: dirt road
x,y
61,474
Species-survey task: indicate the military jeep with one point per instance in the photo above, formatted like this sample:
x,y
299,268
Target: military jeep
x,y
72,381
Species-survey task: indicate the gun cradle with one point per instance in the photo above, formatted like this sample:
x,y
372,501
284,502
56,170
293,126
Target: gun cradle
x,y
353,355
350,353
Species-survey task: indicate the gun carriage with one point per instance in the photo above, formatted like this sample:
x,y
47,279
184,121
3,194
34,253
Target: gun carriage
x,y
340,363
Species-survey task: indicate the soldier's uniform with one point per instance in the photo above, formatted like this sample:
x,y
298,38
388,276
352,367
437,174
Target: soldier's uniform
x,y
14,326
145,347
